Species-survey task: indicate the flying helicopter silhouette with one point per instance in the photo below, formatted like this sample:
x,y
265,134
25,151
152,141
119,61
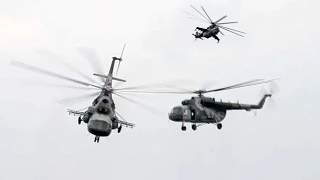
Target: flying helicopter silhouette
x,y
101,117
200,110
213,29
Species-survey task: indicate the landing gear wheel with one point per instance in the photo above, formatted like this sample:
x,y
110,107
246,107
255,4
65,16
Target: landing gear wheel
x,y
79,120
183,128
119,129
194,127
219,126
96,139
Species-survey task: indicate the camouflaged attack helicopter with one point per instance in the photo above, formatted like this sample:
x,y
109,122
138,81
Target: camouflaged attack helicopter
x,y
213,29
200,110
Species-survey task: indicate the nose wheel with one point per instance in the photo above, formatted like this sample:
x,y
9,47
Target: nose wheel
x,y
96,139
79,120
183,128
219,126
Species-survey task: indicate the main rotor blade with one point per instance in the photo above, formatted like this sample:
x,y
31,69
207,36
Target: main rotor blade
x,y
78,98
231,31
207,84
47,84
146,86
236,85
256,83
245,84
92,57
200,13
159,92
151,109
120,116
180,89
39,70
206,14
50,53
227,23
135,95
196,17
155,85
82,109
133,87
116,84
220,19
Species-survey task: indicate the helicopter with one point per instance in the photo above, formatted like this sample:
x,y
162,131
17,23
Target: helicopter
x,y
101,117
213,29
200,110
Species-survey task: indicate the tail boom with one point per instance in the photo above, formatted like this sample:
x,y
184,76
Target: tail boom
x,y
238,106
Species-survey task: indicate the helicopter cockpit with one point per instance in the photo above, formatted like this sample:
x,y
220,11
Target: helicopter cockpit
x,y
179,112
103,110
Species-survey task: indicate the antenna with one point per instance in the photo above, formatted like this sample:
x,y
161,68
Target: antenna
x,y
120,59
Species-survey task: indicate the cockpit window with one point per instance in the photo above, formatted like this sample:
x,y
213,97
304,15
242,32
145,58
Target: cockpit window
x,y
103,110
97,124
177,110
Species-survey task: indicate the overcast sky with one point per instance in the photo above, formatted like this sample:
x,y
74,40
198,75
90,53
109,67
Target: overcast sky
x,y
39,140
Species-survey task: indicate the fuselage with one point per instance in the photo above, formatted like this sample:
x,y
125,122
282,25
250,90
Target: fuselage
x,y
101,119
193,111
210,32
100,125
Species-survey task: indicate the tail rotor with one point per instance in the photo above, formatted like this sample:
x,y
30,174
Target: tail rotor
x,y
272,89
195,37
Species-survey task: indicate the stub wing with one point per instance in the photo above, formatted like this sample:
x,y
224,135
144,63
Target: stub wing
x,y
76,113
237,106
126,124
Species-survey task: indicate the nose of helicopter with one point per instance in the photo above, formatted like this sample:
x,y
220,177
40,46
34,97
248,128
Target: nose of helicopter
x,y
100,127
176,114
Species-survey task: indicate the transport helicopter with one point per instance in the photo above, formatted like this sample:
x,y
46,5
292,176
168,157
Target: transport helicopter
x,y
200,110
101,117
213,29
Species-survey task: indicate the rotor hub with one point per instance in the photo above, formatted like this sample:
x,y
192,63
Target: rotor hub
x,y
108,89
200,92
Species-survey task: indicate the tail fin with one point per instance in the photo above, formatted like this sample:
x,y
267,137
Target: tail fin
x,y
120,59
110,77
261,102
